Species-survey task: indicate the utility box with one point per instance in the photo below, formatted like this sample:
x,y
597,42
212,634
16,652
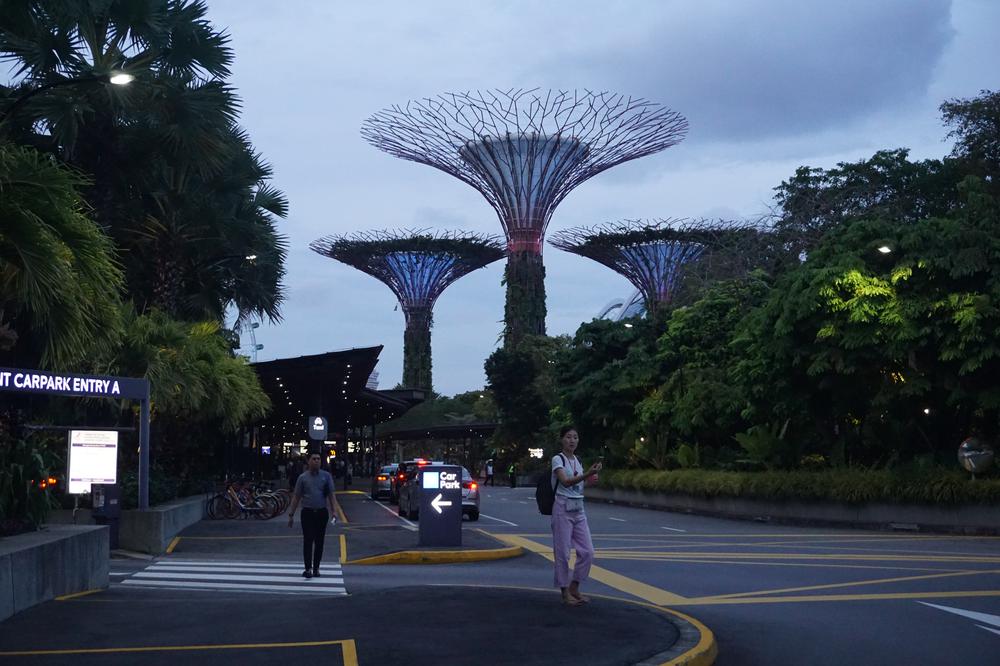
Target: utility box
x,y
107,508
441,505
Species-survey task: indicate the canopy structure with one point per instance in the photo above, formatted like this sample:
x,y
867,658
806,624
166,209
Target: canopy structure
x,y
524,151
332,385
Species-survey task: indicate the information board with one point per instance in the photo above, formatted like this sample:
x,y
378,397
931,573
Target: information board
x,y
441,505
93,458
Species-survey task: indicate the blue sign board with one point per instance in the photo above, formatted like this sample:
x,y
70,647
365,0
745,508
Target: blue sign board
x,y
19,380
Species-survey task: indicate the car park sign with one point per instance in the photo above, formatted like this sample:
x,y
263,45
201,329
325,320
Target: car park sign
x,y
441,505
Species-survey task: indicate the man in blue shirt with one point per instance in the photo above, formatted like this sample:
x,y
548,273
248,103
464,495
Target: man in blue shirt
x,y
314,489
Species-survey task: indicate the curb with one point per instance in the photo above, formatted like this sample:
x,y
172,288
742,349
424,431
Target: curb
x,y
696,645
440,556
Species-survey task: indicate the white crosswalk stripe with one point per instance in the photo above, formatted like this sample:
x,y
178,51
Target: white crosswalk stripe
x,y
243,576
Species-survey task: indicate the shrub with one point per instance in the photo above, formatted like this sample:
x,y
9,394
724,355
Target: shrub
x,y
852,485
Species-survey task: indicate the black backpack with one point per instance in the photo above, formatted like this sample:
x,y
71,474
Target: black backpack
x,y
545,492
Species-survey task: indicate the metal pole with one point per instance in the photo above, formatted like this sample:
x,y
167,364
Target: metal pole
x,y
144,453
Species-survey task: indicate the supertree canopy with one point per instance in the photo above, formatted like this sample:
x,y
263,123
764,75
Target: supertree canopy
x,y
524,150
657,255
417,265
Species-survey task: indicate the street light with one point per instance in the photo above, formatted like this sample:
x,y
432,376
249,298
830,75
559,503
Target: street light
x,y
117,77
885,249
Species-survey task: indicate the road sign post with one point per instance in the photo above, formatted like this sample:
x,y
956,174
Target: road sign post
x,y
441,506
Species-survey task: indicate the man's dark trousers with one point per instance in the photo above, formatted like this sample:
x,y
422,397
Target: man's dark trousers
x,y
314,522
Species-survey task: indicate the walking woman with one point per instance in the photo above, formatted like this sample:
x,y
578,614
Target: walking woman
x,y
569,521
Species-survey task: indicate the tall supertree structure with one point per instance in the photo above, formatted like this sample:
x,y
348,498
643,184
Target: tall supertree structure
x,y
524,150
417,265
656,255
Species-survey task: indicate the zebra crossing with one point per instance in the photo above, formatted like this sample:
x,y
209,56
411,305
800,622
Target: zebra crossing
x,y
238,576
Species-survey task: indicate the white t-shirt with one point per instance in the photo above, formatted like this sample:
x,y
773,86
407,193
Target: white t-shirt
x,y
573,468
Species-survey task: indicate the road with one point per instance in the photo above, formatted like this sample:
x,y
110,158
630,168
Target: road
x,y
785,595
771,594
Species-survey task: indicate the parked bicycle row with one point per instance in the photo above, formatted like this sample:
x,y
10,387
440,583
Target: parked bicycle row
x,y
242,500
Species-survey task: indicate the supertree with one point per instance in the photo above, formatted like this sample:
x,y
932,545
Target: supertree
x,y
657,255
417,265
524,150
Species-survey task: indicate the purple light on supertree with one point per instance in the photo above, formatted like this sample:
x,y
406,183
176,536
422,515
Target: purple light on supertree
x,y
654,255
417,266
524,151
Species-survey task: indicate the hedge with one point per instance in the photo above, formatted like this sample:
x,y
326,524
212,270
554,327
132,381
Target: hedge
x,y
855,486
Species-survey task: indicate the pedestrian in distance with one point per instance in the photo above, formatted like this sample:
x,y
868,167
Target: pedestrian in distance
x,y
315,490
489,473
569,520
512,472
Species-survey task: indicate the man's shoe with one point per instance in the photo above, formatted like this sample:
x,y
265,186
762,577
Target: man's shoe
x,y
315,573
307,574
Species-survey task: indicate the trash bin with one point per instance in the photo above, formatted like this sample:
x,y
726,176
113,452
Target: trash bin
x,y
107,508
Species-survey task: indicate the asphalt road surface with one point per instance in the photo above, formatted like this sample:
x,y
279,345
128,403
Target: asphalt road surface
x,y
771,594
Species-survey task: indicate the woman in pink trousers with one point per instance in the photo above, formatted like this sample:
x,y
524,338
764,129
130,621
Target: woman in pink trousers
x,y
569,521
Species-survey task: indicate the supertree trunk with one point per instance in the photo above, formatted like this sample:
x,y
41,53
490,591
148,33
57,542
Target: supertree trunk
x,y
417,350
524,311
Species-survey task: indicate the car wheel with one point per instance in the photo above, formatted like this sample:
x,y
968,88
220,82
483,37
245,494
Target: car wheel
x,y
473,515
399,508
411,513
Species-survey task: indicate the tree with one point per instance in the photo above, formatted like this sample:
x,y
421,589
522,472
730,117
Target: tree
x,y
975,126
59,280
172,178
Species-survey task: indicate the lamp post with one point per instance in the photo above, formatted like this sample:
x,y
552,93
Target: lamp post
x,y
117,77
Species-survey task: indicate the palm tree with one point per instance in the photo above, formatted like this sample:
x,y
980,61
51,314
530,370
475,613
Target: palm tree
x,y
58,276
175,182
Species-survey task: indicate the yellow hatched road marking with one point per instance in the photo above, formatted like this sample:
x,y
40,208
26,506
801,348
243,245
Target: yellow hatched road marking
x,y
75,595
347,647
343,548
829,586
643,591
173,544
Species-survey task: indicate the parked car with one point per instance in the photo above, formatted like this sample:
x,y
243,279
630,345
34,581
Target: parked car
x,y
384,482
409,493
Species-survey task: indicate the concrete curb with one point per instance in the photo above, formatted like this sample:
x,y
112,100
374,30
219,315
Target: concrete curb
x,y
441,556
695,647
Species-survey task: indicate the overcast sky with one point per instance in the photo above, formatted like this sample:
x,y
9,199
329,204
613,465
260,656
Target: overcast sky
x,y
766,86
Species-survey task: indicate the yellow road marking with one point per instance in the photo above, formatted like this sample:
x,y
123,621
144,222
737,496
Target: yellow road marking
x,y
350,653
173,544
182,648
637,589
949,574
343,548
350,492
889,596
956,537
791,564
341,516
67,597
625,555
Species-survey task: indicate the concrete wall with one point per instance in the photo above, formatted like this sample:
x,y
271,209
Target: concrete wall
x,y
151,531
960,519
58,560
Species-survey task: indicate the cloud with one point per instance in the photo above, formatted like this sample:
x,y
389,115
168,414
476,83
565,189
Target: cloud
x,y
749,71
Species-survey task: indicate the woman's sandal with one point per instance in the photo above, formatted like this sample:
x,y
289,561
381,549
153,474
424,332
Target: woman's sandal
x,y
572,601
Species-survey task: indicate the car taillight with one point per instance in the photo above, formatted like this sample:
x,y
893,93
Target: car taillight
x,y
382,477
470,485
401,477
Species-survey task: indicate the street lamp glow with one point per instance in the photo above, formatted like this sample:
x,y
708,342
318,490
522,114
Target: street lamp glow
x,y
121,78
628,325
885,249
251,257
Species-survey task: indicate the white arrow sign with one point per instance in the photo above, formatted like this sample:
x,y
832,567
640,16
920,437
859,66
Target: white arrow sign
x,y
437,503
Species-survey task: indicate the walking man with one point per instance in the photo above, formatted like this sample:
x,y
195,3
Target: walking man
x,y
315,489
